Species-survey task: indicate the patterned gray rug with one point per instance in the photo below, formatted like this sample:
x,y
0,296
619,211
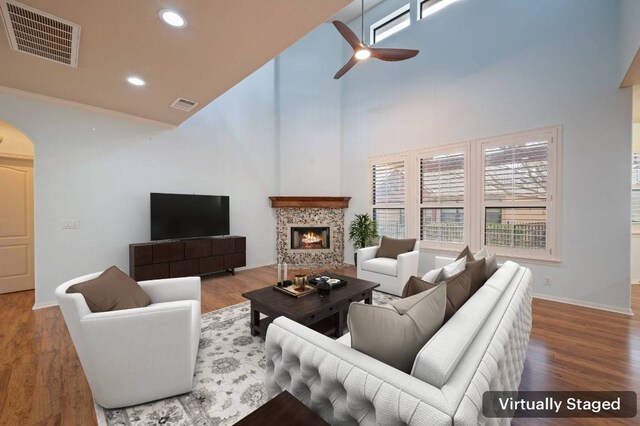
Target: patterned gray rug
x,y
228,380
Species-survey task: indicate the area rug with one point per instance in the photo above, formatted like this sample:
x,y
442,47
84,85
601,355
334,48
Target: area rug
x,y
228,380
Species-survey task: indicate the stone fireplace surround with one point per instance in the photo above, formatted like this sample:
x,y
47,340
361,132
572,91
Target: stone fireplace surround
x,y
310,212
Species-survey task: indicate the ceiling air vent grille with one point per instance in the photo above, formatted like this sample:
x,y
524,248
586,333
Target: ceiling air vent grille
x,y
183,104
40,34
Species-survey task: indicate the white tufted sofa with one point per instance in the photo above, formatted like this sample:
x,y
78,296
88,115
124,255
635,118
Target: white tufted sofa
x,y
482,347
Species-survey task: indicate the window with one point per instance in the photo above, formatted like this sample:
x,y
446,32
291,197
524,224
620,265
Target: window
x,y
517,196
635,192
429,7
442,188
389,196
391,24
498,192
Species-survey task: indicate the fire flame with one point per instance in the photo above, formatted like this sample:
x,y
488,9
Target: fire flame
x,y
310,238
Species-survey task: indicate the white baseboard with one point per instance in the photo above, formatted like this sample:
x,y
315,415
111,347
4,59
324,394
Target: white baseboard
x,y
43,305
583,304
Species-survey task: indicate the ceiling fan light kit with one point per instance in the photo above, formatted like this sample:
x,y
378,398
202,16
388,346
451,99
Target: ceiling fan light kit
x,y
361,51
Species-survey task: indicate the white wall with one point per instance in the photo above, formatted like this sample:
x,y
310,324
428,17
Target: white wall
x,y
13,141
309,115
492,67
104,177
629,33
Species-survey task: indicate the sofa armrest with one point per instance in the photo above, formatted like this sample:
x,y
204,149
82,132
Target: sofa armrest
x,y
407,266
134,348
172,289
342,384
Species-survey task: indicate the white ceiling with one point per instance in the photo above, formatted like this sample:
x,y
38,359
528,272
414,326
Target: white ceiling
x,y
223,43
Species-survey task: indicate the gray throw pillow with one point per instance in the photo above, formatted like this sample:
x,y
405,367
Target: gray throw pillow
x,y
111,291
392,247
458,290
395,333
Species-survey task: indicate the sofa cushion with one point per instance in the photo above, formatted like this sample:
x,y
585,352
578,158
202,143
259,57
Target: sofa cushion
x,y
392,247
466,253
478,271
381,265
448,271
439,357
113,290
458,290
490,259
394,333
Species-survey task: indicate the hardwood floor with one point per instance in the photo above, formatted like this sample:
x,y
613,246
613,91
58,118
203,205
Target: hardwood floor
x,y
571,348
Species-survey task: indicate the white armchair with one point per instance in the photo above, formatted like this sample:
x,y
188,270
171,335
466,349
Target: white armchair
x,y
133,356
391,274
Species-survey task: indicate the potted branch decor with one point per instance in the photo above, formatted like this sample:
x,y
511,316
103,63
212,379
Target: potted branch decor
x,y
363,232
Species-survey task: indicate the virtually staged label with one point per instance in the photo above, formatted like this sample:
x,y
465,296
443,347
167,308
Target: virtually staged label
x,y
560,404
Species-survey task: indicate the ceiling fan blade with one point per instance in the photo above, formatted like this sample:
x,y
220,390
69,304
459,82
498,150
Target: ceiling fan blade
x,y
346,67
392,54
348,35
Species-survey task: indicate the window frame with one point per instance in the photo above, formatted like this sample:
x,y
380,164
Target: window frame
x,y
552,203
404,10
435,3
392,158
463,148
474,204
635,187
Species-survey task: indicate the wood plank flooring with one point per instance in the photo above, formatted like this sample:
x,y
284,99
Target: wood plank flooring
x,y
571,348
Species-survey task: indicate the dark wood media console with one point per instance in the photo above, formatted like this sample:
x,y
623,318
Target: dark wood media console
x,y
172,259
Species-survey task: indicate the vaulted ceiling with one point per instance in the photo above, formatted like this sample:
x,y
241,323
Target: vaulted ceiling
x,y
223,42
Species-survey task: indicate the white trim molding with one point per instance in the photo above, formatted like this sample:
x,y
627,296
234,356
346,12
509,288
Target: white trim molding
x,y
584,304
43,305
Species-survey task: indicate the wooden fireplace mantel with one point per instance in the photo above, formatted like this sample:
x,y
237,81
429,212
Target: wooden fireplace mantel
x,y
310,202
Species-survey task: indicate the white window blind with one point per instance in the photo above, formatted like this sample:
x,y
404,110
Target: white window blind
x,y
389,197
517,195
442,197
635,189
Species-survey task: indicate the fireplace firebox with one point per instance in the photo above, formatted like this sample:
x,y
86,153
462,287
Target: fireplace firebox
x,y
310,237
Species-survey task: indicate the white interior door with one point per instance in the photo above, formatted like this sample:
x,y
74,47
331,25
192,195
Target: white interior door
x,y
16,225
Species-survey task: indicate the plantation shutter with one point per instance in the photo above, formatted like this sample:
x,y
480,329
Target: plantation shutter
x,y
442,196
389,197
516,195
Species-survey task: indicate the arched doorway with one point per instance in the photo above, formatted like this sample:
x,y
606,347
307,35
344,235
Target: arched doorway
x,y
16,210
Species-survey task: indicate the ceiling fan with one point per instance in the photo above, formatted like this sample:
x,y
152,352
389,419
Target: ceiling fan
x,y
362,51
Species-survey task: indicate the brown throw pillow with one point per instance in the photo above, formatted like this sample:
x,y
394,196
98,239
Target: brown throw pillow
x,y
111,291
458,290
478,271
414,286
466,253
391,247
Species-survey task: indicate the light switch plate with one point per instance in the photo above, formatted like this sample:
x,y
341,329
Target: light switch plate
x,y
70,224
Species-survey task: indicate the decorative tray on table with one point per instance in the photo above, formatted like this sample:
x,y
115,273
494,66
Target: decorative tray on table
x,y
333,282
292,291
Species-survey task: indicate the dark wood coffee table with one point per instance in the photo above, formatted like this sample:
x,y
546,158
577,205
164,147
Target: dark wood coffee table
x,y
284,409
327,314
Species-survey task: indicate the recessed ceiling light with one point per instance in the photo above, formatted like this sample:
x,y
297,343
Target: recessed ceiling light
x,y
172,18
136,81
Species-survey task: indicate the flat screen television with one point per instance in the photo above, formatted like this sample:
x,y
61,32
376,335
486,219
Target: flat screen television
x,y
188,216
